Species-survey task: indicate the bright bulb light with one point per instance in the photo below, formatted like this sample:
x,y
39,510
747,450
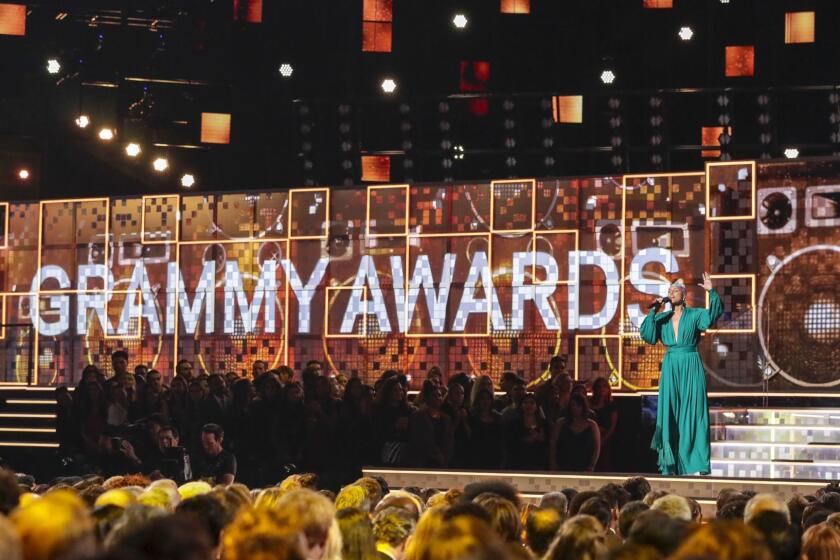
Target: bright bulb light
x,y
686,33
106,134
133,149
286,70
187,180
82,121
460,21
791,153
23,174
160,164
389,85
607,76
53,66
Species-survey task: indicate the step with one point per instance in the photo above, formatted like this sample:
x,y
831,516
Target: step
x,y
777,416
775,434
745,450
827,470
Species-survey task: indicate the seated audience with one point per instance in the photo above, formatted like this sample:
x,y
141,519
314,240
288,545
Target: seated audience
x,y
214,462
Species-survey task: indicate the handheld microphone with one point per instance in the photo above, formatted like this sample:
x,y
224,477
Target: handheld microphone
x,y
659,302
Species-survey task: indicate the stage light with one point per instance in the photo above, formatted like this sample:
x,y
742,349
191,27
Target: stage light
x,y
686,33
106,134
724,1
791,153
53,66
132,149
82,121
286,70
23,174
459,152
460,21
607,76
187,180
160,164
389,85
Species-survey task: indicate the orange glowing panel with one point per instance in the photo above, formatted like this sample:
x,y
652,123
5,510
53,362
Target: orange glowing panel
x,y
799,27
710,136
12,19
516,6
376,168
475,75
740,61
248,10
657,4
376,37
567,109
215,128
377,16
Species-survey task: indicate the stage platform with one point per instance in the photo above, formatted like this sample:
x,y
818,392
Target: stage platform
x,y
532,485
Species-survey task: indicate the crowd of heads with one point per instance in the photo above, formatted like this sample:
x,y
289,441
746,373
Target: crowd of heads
x,y
132,517
255,427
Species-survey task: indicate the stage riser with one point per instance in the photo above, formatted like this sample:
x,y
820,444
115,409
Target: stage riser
x,y
776,434
775,470
777,417
763,452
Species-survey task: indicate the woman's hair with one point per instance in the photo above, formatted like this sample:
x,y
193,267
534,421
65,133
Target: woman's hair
x,y
353,497
732,540
579,538
428,389
463,538
821,542
430,523
483,383
504,515
384,392
314,515
262,534
582,402
356,535
57,525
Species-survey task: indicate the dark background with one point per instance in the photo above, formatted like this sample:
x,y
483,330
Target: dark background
x,y
151,67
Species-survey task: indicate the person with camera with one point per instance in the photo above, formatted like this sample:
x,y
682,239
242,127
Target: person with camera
x,y
169,459
116,455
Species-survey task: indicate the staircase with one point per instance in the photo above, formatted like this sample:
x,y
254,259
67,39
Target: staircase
x,y
786,443
27,419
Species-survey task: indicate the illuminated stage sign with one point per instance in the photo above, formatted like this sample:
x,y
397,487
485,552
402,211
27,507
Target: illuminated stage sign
x,y
480,278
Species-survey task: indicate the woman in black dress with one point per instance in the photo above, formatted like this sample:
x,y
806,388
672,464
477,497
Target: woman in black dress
x,y
391,412
526,439
486,432
606,414
575,440
455,407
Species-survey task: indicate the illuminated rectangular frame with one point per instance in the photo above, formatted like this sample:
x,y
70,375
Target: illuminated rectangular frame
x,y
143,240
327,210
534,234
709,217
327,289
370,235
5,244
493,184
753,309
421,236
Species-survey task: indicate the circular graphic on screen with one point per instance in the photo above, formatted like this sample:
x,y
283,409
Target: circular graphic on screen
x,y
799,317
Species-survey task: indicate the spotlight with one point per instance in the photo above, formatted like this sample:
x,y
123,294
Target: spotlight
x,y
187,180
132,149
724,1
23,174
82,121
161,164
686,33
607,76
53,66
106,134
791,153
460,21
459,152
389,85
286,70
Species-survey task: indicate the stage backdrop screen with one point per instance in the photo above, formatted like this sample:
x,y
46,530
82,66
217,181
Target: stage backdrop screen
x,y
472,277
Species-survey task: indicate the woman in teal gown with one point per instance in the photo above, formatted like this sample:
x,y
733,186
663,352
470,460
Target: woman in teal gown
x,y
681,438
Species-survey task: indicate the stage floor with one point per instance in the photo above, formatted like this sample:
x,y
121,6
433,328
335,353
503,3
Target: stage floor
x,y
532,485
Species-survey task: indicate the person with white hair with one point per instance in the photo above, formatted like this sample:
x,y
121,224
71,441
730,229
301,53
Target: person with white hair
x,y
675,506
681,438
765,502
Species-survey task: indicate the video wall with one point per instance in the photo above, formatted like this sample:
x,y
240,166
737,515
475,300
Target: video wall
x,y
478,278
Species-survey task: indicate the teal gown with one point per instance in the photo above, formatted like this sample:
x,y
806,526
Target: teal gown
x,y
682,418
